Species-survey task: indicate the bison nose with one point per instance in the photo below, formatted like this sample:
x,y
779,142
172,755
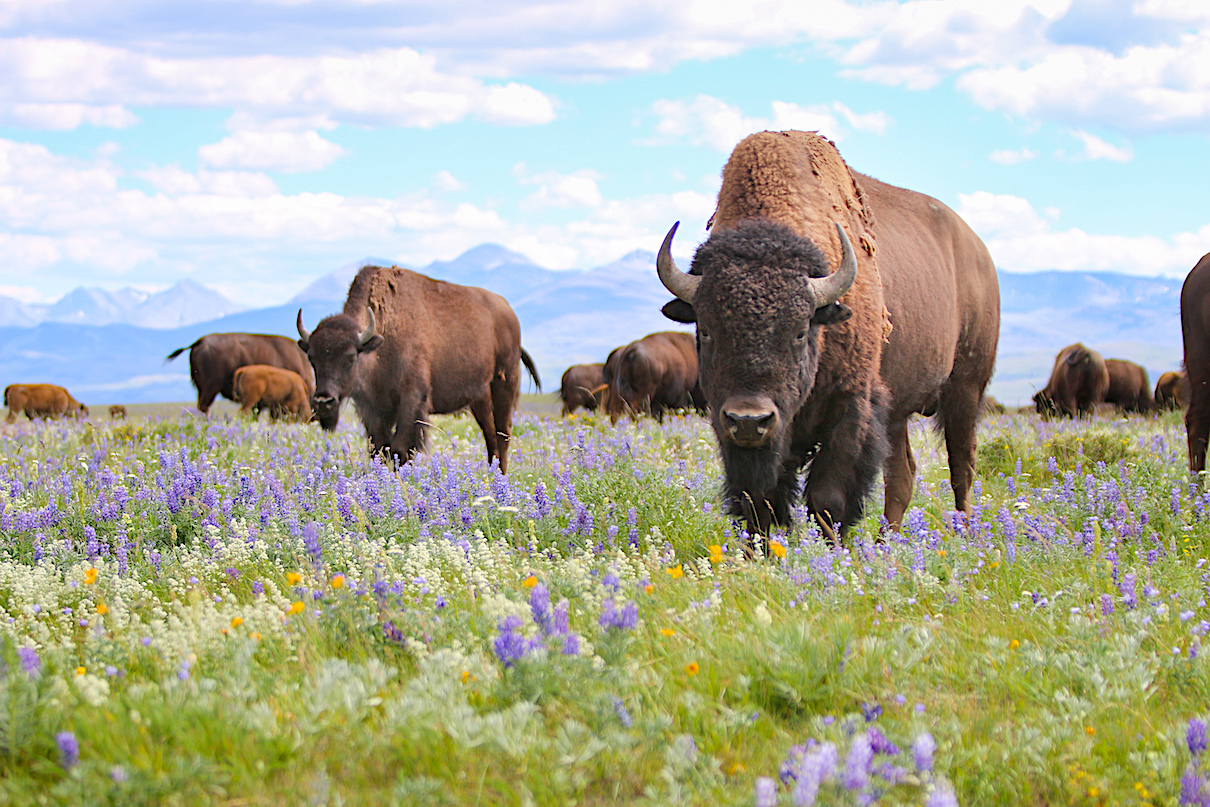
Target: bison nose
x,y
324,402
748,427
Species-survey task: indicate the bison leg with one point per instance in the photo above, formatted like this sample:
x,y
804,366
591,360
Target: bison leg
x,y
899,474
205,397
843,471
959,411
481,408
504,398
1197,424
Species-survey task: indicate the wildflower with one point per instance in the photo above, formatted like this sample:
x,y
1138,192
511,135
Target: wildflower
x,y
675,571
766,792
237,621
716,553
857,764
1014,644
649,588
923,748
69,749
1090,731
613,619
102,608
296,607
293,578
619,709
81,670
667,631
530,581
30,661
692,668
1195,737
90,576
510,646
338,581
118,774
942,796
778,549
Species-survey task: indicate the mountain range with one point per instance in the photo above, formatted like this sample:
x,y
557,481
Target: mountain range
x,y
110,346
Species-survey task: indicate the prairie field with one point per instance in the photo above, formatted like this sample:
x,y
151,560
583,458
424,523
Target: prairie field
x,y
218,612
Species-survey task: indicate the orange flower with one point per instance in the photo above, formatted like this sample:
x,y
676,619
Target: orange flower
x,y
649,588
80,670
1014,644
237,621
675,571
90,576
667,631
777,549
1090,730
716,553
102,608
338,581
255,636
293,578
530,581
296,608
692,668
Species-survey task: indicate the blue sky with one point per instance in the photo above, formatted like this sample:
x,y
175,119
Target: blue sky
x,y
254,146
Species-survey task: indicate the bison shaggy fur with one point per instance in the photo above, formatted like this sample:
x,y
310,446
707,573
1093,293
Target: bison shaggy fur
x,y
41,401
653,375
1078,382
581,387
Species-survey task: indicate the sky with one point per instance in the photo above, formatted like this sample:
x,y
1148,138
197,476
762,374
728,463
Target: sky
x,y
254,146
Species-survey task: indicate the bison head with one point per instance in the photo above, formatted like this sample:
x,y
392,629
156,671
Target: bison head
x,y
759,294
333,349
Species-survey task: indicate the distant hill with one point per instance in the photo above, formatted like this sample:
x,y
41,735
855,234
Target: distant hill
x,y
567,317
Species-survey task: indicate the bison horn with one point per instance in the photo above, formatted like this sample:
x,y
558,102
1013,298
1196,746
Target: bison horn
x,y
828,290
370,330
303,332
683,285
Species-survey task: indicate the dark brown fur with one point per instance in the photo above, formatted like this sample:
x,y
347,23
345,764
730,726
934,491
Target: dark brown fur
x,y
1195,329
581,387
282,392
439,347
1078,382
214,358
1172,391
921,339
1129,388
41,400
652,375
117,412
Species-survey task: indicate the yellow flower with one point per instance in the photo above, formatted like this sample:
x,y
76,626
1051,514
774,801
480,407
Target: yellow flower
x,y
102,608
80,670
1014,644
667,631
941,552
649,588
338,581
716,553
1090,730
777,549
296,608
293,578
237,621
254,635
530,581
676,571
692,668
466,676
90,576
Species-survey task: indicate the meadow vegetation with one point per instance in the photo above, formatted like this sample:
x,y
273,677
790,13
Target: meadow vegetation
x,y
220,612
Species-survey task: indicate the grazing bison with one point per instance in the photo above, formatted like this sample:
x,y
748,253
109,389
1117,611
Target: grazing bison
x,y
408,346
1129,388
1078,382
117,412
1172,391
214,358
990,406
41,400
263,386
653,375
800,365
1195,329
581,387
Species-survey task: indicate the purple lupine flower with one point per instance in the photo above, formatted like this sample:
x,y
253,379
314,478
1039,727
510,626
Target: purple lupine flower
x,y
1127,587
310,534
539,606
619,709
857,764
571,645
613,619
1195,737
30,661
1193,788
69,749
923,748
1106,605
510,646
942,796
766,792
871,711
880,744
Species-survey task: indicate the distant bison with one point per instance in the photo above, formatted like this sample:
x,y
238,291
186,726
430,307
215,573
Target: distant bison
x,y
214,358
1195,329
41,400
408,346
1078,382
582,387
653,375
990,406
1129,388
808,368
282,392
117,412
1172,391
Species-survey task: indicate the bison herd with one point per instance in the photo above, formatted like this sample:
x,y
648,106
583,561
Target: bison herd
x,y
828,309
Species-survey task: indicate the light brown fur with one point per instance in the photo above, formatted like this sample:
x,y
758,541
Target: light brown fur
x,y
41,400
282,392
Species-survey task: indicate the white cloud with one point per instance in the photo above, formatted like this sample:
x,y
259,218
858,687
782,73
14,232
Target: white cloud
x,y
1020,240
1011,157
71,116
578,189
1097,149
707,120
291,152
26,294
445,181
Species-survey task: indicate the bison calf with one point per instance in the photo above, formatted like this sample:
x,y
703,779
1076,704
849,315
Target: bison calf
x,y
581,387
117,412
282,392
41,400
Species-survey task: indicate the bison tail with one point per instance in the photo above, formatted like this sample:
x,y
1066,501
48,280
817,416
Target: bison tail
x,y
181,350
528,361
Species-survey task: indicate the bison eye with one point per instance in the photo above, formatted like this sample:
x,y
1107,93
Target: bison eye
x,y
703,335
801,336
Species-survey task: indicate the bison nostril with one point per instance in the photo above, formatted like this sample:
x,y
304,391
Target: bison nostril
x,y
749,428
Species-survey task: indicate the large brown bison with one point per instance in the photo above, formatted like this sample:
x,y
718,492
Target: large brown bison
x,y
214,358
1195,329
1129,388
1172,390
408,346
653,375
41,401
582,387
263,386
800,365
1078,382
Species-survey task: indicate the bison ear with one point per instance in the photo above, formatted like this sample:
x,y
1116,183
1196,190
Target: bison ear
x,y
304,345
370,344
679,311
831,314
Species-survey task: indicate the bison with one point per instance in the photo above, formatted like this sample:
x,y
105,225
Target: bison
x,y
117,412
263,386
1195,331
1078,382
1172,391
653,375
582,387
1129,388
41,400
807,368
408,346
214,358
